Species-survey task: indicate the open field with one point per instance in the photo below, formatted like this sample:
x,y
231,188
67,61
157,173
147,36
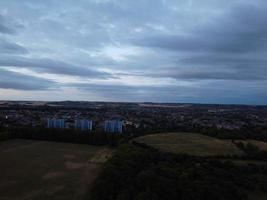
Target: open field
x,y
48,170
190,143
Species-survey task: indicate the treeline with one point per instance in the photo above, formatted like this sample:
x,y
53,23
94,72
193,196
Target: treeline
x,y
251,150
137,173
246,132
64,135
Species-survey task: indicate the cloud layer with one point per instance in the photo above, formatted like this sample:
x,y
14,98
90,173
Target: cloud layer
x,y
17,81
172,51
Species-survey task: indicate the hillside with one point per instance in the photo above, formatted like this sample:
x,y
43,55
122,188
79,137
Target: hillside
x,y
189,143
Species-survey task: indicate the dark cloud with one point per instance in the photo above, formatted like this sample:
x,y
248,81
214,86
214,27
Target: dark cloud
x,y
4,29
204,43
215,67
240,30
51,66
225,67
219,92
228,46
111,92
11,48
17,81
208,74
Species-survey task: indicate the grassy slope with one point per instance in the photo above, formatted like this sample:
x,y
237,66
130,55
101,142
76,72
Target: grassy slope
x,y
190,143
45,170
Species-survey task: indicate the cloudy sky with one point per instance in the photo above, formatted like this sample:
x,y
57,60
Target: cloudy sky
x,y
200,51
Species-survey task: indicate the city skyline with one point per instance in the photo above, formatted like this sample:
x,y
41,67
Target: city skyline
x,y
182,51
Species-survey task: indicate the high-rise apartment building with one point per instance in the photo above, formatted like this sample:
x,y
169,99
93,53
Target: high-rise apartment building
x,y
83,124
113,126
56,123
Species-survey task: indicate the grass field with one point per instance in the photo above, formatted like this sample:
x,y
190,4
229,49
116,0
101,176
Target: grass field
x,y
48,170
189,143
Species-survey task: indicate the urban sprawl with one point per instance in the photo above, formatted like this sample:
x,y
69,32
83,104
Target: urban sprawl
x,y
136,118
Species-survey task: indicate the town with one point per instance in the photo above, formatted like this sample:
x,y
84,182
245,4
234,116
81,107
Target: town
x,y
137,118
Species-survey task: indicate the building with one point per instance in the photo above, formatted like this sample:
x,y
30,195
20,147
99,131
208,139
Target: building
x,y
83,124
56,123
113,126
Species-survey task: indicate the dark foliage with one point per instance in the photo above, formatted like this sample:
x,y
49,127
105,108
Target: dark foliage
x,y
138,173
65,135
251,150
5,136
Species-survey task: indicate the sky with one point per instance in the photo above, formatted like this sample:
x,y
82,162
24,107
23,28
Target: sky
x,y
183,51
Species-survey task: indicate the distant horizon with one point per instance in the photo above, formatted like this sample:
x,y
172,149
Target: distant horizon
x,y
135,102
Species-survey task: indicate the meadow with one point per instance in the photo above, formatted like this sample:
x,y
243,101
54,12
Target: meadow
x,y
48,170
189,143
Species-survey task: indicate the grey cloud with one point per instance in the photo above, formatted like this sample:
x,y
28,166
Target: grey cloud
x,y
203,43
215,67
244,68
132,93
17,81
204,73
242,29
218,92
223,60
51,66
228,46
7,47
4,29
